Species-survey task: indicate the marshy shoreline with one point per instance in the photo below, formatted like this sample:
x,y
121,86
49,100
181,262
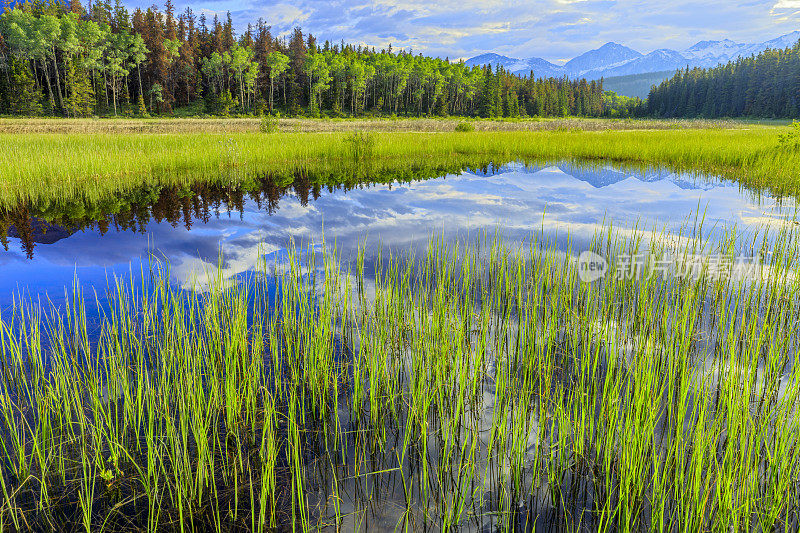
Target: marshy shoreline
x,y
105,164
474,387
378,124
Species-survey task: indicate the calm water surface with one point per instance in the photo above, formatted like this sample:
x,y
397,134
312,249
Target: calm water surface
x,y
193,232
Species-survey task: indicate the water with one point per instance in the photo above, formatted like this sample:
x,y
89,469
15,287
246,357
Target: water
x,y
194,230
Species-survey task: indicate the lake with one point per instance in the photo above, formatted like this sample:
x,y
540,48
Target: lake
x,y
196,229
482,391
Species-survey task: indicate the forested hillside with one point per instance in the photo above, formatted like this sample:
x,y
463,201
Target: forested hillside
x,y
767,85
636,85
57,59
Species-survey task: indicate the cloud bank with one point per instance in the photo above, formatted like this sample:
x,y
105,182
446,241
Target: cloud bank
x,y
553,29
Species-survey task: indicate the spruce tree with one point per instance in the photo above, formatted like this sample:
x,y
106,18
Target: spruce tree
x,y
80,101
488,105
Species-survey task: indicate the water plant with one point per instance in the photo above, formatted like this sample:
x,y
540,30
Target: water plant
x,y
791,139
360,145
479,385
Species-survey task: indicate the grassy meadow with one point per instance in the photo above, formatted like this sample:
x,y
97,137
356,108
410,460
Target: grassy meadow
x,y
384,124
46,167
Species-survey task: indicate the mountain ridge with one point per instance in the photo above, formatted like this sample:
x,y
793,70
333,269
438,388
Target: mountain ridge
x,y
609,55
613,59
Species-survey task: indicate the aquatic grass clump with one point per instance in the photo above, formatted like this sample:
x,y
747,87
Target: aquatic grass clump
x,y
360,145
791,139
479,386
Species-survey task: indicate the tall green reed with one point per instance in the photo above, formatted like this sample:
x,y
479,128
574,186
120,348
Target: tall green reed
x,y
479,385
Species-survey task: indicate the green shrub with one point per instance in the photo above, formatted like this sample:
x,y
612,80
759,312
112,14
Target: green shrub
x,y
791,139
465,127
269,124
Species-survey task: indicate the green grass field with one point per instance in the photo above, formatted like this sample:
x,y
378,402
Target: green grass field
x,y
307,125
46,167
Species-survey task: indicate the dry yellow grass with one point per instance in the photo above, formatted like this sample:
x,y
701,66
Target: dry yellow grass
x,y
245,125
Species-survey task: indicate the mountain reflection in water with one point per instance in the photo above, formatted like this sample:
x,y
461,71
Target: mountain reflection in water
x,y
194,227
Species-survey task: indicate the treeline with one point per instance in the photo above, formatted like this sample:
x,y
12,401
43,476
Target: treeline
x,y
60,59
767,85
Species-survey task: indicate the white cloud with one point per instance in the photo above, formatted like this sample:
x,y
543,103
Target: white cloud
x,y
552,29
286,14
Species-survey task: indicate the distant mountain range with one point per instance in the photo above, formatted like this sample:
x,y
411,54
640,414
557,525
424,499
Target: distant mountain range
x,y
600,178
612,59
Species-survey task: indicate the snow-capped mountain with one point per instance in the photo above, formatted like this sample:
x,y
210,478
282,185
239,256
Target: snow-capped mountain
x,y
540,67
613,59
544,69
508,63
657,61
607,56
784,41
710,53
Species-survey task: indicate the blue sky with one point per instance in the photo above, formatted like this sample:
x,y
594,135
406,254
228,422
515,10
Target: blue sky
x,y
553,29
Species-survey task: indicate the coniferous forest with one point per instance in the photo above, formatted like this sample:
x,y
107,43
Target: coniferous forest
x,y
767,85
59,59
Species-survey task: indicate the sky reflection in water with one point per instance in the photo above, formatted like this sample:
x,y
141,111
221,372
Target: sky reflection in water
x,y
514,200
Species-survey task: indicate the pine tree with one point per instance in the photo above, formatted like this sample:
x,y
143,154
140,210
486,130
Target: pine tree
x,y
24,98
297,55
80,102
488,105
141,109
766,86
